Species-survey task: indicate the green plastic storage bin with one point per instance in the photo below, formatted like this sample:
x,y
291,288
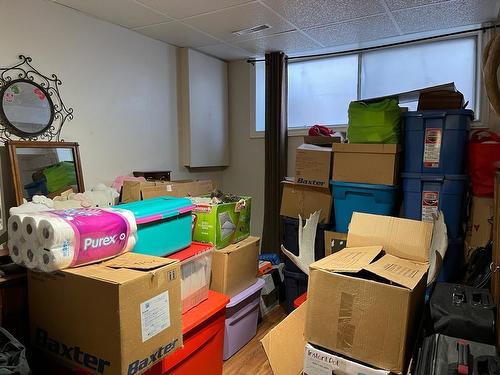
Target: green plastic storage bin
x,y
377,122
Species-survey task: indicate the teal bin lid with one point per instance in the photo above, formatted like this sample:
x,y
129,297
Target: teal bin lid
x,y
159,208
356,185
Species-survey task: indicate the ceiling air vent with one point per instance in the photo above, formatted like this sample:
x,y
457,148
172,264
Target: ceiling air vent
x,y
251,30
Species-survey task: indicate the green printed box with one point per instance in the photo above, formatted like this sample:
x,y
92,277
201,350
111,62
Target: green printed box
x,y
222,224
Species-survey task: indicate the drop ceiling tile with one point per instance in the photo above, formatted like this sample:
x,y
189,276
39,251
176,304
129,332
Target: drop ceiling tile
x,y
310,13
360,30
287,42
403,4
177,34
225,52
446,15
221,24
187,8
126,13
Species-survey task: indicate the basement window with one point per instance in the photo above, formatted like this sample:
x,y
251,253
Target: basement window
x,y
319,90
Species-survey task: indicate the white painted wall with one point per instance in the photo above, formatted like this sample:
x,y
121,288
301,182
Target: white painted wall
x,y
245,175
122,86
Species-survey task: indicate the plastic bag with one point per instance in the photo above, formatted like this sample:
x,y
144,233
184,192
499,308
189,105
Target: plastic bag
x,y
12,355
377,122
484,157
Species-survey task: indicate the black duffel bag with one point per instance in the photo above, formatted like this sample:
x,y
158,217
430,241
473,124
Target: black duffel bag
x,y
12,355
444,355
463,311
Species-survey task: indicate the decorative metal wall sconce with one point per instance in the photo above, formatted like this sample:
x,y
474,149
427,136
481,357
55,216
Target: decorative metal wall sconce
x,y
31,108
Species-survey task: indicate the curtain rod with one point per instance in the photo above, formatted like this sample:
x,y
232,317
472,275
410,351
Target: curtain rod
x,y
357,50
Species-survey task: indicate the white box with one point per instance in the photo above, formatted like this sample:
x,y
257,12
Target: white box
x,y
318,362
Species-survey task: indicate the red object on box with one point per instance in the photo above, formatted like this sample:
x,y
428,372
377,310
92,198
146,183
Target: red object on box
x,y
203,330
300,300
484,155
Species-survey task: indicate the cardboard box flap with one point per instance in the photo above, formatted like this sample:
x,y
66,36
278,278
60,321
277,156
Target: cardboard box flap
x,y
137,261
366,148
351,260
400,271
235,246
284,344
404,238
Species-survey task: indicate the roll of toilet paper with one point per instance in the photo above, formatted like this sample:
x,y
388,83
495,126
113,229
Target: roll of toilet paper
x,y
15,250
54,232
50,260
132,240
128,215
30,227
28,251
15,226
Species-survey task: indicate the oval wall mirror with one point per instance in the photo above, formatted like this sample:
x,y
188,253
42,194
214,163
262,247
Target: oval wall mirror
x,y
26,107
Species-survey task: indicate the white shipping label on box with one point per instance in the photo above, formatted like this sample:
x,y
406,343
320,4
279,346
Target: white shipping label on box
x,y
318,362
155,316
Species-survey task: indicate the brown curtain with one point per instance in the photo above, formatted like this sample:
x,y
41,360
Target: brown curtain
x,y
276,140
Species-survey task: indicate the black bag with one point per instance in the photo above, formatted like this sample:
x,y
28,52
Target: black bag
x,y
12,355
444,355
463,311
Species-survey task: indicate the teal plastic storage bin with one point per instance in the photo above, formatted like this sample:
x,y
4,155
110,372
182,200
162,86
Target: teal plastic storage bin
x,y
352,197
164,225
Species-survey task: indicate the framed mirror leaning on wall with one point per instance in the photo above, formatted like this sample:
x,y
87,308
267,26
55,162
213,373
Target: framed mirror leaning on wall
x,y
44,168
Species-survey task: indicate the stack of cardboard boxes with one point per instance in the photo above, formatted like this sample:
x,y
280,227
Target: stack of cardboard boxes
x,y
307,193
363,304
123,315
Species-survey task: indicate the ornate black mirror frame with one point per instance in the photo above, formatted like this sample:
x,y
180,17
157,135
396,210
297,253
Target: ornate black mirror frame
x,y
25,72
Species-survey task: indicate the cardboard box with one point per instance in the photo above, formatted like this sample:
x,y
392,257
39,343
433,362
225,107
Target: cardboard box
x,y
136,190
284,344
313,165
222,224
118,317
480,226
366,163
304,200
319,362
235,267
321,141
334,241
371,298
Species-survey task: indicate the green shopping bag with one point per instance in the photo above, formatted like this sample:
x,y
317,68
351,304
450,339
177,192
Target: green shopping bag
x,y
377,122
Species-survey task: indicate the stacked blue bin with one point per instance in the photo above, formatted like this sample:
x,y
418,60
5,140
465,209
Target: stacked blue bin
x,y
434,178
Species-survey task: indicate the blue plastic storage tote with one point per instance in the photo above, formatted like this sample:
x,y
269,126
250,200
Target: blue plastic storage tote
x,y
164,224
425,194
436,141
352,197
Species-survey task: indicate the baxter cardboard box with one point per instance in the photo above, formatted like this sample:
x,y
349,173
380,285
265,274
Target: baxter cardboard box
x,y
221,224
137,190
319,362
366,163
117,317
480,227
372,292
284,344
313,165
235,267
334,241
304,200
